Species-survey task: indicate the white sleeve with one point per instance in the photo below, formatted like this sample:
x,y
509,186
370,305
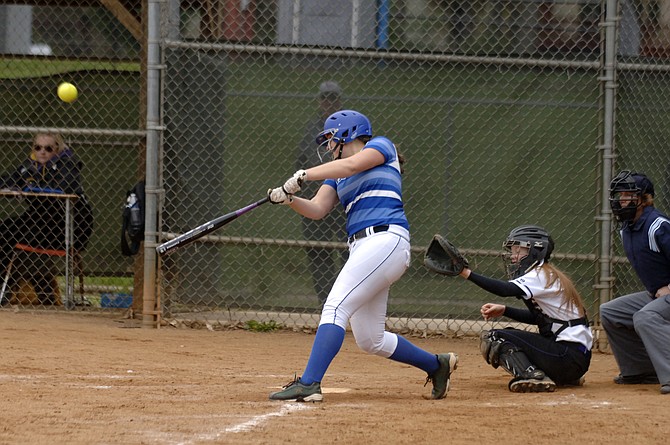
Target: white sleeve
x,y
534,284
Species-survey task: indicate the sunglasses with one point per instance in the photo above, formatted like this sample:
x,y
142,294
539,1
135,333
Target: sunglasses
x,y
47,148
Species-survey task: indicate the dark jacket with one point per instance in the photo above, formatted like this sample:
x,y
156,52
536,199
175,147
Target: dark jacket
x,y
61,174
647,246
43,222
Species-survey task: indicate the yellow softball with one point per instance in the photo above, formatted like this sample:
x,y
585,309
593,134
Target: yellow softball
x,y
67,92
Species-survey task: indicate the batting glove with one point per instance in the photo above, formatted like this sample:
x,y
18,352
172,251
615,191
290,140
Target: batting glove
x,y
294,184
279,196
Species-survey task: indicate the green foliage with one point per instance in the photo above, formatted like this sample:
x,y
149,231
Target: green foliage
x,y
264,326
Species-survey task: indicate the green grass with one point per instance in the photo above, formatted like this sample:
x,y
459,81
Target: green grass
x,y
466,157
38,67
487,149
96,287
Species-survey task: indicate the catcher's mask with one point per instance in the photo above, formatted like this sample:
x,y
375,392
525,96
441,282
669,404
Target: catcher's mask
x,y
539,244
625,190
341,128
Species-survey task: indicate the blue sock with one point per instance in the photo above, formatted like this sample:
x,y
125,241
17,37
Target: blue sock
x,y
406,352
328,341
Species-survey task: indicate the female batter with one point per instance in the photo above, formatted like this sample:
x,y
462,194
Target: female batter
x,y
560,353
365,177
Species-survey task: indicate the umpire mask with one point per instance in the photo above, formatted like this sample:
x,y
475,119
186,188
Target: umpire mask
x,y
625,190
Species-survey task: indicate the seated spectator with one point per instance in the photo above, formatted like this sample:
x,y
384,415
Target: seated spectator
x,y
51,167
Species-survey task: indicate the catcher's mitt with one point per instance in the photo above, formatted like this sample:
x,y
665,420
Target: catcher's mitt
x,y
444,258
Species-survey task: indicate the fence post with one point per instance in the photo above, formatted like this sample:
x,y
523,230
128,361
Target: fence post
x,y
608,81
150,310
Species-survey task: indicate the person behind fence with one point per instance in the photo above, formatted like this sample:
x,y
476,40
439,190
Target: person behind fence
x,y
51,167
638,324
365,177
322,264
560,353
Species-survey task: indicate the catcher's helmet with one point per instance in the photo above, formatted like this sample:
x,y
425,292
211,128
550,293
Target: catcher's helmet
x,y
344,126
632,183
537,240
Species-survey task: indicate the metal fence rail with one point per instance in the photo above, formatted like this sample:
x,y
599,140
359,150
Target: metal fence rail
x,y
508,112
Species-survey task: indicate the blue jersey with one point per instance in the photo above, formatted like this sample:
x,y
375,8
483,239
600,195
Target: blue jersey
x,y
647,246
373,197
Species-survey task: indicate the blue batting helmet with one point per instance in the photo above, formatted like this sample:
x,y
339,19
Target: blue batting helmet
x,y
344,126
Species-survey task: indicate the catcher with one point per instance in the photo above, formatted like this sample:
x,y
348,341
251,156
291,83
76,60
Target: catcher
x,y
560,354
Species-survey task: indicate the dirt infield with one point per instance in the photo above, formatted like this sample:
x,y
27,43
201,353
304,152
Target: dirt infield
x,y
78,379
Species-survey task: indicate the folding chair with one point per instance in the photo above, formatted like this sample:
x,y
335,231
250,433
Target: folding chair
x,y
77,266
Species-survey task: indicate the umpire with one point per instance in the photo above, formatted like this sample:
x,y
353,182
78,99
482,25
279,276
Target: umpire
x,y
638,324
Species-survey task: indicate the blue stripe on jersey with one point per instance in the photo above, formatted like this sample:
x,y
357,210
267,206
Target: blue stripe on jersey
x,y
373,197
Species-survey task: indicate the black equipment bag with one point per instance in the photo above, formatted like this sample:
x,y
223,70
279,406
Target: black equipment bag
x,y
132,232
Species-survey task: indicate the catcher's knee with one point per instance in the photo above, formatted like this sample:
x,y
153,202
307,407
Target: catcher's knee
x,y
499,352
491,347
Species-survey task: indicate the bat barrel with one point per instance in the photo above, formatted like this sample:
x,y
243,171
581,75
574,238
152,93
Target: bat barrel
x,y
206,228
167,246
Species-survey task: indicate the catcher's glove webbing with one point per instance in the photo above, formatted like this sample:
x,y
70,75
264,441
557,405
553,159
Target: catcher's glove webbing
x,y
444,258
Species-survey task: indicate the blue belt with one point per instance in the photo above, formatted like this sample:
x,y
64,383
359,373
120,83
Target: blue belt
x,y
366,232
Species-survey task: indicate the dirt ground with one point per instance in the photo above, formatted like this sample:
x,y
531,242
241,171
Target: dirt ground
x,y
90,379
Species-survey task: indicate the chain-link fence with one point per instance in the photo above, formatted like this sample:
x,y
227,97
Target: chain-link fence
x,y
88,149
508,112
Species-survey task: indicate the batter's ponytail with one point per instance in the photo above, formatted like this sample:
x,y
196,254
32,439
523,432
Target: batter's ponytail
x,y
401,160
